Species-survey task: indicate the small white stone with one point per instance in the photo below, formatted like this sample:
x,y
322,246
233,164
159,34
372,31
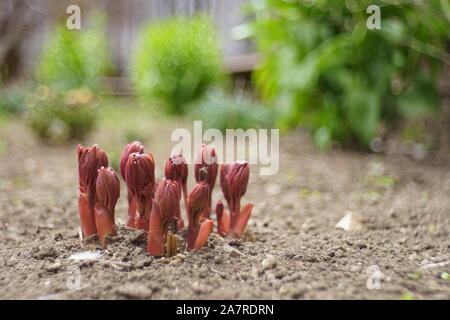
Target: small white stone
x,y
86,255
413,256
284,289
350,223
355,268
269,263
232,251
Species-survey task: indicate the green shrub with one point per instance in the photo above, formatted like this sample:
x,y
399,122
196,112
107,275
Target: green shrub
x,y
176,62
75,58
225,111
324,69
58,116
63,106
12,100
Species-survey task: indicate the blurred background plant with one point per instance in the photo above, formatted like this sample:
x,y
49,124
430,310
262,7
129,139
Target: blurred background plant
x,y
176,62
63,107
59,116
323,69
12,100
75,58
314,64
225,111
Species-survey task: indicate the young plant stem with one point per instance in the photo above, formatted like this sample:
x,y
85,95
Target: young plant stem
x,y
155,242
87,216
171,245
142,214
131,209
104,221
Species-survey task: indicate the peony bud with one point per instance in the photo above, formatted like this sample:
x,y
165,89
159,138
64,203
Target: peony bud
x,y
197,203
207,160
233,182
108,188
134,147
89,161
168,197
177,170
140,179
108,191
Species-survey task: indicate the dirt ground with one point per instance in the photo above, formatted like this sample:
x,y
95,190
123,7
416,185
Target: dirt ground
x,y
292,249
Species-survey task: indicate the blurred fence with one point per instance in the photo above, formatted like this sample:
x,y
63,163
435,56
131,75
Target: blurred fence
x,y
25,24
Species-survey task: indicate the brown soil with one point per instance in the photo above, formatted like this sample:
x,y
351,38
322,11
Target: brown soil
x,y
292,249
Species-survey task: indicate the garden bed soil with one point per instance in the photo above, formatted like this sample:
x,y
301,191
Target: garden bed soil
x,y
292,249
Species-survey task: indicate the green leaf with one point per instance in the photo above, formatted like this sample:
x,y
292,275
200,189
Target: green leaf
x,y
421,100
362,109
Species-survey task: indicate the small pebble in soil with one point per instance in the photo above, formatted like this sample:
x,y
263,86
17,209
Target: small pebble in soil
x,y
25,254
231,251
413,256
355,268
283,289
135,291
235,243
163,260
291,291
44,252
199,288
58,237
53,268
362,246
269,263
288,254
339,253
179,258
86,255
142,262
280,273
203,273
218,260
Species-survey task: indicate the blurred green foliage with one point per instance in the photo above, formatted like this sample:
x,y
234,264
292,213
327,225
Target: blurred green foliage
x,y
58,116
75,58
227,111
322,68
62,108
176,62
114,158
12,100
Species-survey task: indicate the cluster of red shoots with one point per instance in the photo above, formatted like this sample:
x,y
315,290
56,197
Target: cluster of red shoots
x,y
155,207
